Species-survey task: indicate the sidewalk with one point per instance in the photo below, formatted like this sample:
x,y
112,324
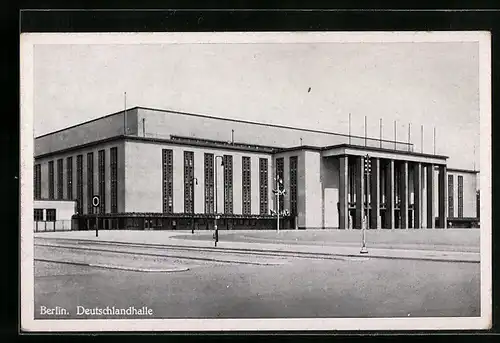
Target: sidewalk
x,y
169,238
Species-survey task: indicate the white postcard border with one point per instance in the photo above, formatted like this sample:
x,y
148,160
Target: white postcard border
x,y
28,323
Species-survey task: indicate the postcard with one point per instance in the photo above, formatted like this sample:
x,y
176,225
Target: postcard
x,y
272,181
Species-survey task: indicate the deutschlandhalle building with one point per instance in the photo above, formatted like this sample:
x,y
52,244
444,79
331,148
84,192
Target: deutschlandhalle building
x,y
161,170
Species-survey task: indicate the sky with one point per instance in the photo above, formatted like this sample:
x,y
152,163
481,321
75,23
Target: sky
x,y
430,84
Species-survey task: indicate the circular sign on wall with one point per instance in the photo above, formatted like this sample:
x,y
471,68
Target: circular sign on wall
x,y
95,201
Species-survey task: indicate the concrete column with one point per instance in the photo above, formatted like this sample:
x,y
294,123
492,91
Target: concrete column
x,y
313,190
442,198
343,191
430,196
404,195
375,194
417,189
358,221
389,194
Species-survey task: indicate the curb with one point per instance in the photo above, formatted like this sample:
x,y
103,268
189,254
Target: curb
x,y
388,246
158,255
409,258
282,252
107,266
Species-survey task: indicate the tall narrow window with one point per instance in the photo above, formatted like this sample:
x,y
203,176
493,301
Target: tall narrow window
x,y
69,178
79,184
51,180
38,181
209,183
293,185
280,167
397,186
263,186
228,183
60,178
478,204
352,182
90,181
247,190
114,179
383,180
168,187
451,209
188,182
102,181
460,196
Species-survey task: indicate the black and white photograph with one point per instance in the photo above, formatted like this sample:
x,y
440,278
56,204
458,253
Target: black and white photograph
x,y
255,181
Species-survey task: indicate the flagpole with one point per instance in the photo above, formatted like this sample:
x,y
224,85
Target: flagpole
x,y
434,140
349,128
125,113
474,161
422,138
380,132
409,136
365,132
395,135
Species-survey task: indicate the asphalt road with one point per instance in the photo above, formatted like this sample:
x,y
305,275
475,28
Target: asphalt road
x,y
222,285
467,240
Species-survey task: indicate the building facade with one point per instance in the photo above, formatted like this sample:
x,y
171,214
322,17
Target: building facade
x,y
53,215
156,169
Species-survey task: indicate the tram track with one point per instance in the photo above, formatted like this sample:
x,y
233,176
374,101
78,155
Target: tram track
x,y
155,255
442,256
240,251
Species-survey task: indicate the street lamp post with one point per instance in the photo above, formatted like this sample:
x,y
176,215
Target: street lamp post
x,y
366,215
216,231
279,192
192,220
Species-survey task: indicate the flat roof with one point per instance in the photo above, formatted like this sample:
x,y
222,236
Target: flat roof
x,y
223,119
86,122
458,170
360,147
268,125
393,151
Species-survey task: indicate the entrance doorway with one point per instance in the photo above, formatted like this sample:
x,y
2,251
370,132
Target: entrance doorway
x,y
410,219
383,223
351,217
397,218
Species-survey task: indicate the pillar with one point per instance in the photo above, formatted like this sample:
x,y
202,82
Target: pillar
x,y
442,197
417,197
389,195
375,194
430,196
404,195
358,221
343,193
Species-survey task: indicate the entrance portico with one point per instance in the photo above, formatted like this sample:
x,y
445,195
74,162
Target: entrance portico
x,y
402,190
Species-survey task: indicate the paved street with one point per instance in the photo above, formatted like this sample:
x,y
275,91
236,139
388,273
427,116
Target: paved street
x,y
463,240
178,277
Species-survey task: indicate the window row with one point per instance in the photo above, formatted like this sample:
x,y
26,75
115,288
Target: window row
x,y
50,215
90,191
211,167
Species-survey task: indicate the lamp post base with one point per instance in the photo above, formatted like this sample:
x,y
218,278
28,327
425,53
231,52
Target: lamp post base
x,y
364,250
